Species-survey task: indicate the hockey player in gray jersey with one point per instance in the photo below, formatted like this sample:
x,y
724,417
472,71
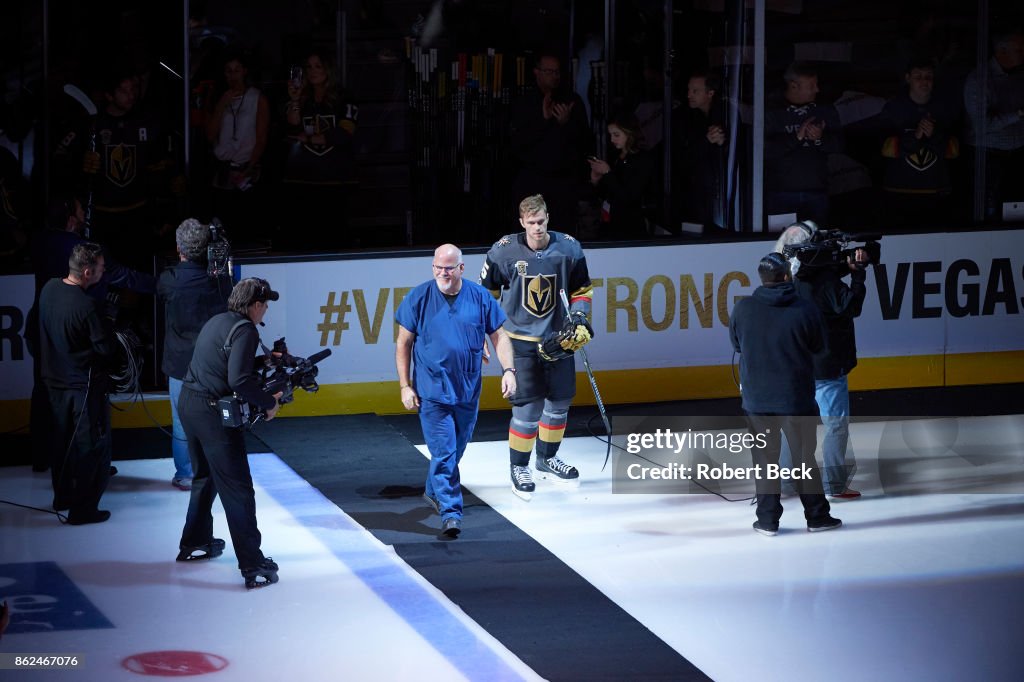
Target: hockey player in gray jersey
x,y
531,268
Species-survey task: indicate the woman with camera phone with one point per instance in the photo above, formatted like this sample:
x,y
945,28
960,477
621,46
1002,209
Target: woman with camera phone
x,y
625,183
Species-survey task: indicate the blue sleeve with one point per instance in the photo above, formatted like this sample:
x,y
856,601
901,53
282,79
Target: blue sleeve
x,y
495,316
406,315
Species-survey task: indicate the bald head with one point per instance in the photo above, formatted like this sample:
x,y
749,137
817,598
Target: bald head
x,y
448,269
446,251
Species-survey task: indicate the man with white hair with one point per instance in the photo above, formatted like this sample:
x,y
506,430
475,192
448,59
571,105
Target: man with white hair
x,y
190,298
839,303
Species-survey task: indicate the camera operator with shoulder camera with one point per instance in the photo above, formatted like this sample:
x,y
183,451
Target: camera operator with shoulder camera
x,y
818,274
223,364
191,294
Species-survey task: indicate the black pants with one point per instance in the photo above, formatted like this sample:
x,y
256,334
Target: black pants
x,y
537,378
801,434
219,466
79,448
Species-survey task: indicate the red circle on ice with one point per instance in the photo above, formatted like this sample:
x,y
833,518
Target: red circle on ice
x,y
174,663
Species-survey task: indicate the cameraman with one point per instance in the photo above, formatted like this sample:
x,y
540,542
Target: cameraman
x,y
840,303
190,297
223,364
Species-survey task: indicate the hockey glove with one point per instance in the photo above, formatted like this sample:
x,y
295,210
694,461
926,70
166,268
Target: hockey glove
x,y
570,339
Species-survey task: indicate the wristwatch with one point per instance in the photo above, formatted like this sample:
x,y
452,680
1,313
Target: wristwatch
x,y
509,369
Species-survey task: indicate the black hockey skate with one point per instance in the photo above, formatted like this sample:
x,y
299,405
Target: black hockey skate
x,y
558,471
522,482
267,570
209,551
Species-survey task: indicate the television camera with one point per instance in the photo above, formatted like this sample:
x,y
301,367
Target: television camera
x,y
281,372
832,248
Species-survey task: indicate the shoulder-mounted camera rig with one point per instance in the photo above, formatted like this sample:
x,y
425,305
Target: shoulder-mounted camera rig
x,y
279,372
832,248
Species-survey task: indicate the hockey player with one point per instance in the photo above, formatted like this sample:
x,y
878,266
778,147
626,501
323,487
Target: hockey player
x,y
532,267
130,167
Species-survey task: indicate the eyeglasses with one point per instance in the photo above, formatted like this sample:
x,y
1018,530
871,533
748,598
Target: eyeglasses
x,y
447,268
550,72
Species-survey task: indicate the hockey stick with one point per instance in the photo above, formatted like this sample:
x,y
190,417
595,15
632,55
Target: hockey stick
x,y
76,94
593,385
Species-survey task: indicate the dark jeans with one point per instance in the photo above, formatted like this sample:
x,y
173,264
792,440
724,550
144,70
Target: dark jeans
x,y
219,465
802,437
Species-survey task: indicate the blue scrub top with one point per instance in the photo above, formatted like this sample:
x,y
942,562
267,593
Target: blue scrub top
x,y
447,354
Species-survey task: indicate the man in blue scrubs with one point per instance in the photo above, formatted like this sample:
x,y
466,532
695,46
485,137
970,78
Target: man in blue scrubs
x,y
442,327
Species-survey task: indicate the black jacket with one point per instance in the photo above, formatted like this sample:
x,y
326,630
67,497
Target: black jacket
x,y
546,147
777,335
627,188
217,371
190,298
793,165
839,303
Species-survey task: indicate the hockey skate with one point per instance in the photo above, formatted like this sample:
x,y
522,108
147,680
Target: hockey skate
x,y
557,471
522,482
267,570
209,551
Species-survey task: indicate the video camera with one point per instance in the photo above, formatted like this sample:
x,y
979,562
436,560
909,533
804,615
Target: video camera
x,y
282,373
832,248
218,251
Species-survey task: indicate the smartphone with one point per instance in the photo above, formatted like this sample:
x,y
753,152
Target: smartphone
x,y
295,77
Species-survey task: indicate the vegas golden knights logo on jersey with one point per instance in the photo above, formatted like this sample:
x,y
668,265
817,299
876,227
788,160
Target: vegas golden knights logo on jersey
x,y
320,124
539,294
122,164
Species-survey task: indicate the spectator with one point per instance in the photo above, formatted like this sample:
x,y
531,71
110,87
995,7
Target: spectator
x,y
699,143
319,163
1001,109
238,132
917,174
798,140
550,139
190,297
626,184
129,168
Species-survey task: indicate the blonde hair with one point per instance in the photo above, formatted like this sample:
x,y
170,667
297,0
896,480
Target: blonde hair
x,y
532,204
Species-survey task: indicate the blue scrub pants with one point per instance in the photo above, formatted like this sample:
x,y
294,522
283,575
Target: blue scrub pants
x,y
447,430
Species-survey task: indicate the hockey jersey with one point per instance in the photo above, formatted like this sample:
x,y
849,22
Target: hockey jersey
x,y
531,281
